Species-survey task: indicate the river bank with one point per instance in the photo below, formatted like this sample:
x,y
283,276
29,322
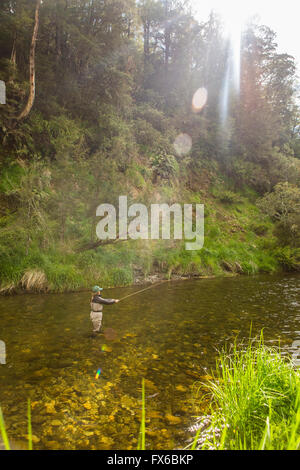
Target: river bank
x,y
254,400
153,279
139,264
238,239
236,242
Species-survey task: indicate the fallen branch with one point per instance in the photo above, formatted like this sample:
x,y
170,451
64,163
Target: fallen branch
x,y
31,96
94,245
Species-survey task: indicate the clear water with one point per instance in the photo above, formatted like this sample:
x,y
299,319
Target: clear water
x,y
169,335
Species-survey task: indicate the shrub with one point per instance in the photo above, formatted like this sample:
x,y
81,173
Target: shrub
x,y
288,258
121,276
255,400
228,197
164,165
259,229
283,206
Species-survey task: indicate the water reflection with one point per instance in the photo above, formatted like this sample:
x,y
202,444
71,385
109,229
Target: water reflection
x,y
169,335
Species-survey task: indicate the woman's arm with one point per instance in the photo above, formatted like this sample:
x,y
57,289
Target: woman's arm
x,y
99,300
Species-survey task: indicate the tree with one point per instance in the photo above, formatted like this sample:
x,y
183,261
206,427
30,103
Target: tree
x,y
267,78
31,96
283,206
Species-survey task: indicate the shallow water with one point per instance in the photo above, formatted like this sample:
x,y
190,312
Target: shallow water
x,y
169,335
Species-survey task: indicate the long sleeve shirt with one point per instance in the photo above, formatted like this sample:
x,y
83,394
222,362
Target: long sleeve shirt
x,y
97,299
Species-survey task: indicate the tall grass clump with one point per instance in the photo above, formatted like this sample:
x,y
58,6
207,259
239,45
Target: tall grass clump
x,y
142,434
3,432
255,400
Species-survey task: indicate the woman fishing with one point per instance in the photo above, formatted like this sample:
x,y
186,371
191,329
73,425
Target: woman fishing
x,y
97,303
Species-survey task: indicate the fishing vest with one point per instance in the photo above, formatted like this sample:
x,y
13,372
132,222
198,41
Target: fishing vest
x,y
96,307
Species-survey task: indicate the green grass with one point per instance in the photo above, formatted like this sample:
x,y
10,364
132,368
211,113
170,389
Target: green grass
x,y
29,428
3,431
234,236
255,400
29,425
142,434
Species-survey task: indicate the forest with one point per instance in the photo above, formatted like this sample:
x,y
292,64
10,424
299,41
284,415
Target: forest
x,y
140,98
141,103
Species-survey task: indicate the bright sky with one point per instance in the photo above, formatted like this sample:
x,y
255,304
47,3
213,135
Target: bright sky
x,y
281,16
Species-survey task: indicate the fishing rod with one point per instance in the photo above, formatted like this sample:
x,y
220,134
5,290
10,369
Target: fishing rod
x,y
142,290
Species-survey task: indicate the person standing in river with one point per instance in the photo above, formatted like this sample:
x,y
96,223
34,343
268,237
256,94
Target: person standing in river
x,y
97,303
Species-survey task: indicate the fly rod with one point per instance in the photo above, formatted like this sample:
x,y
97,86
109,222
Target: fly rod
x,y
142,290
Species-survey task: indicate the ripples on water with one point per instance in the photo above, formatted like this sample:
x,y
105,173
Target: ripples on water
x,y
168,334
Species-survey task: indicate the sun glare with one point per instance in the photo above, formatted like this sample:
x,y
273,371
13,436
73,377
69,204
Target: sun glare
x,y
234,13
234,16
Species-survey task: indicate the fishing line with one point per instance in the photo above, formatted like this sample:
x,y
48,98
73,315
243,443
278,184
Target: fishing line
x,y
142,290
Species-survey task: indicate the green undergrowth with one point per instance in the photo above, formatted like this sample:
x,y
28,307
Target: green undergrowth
x,y
255,401
237,240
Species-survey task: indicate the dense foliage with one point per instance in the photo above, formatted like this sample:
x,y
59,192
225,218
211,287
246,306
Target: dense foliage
x,y
254,401
115,80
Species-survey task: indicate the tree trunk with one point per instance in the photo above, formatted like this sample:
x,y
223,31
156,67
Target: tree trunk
x,y
98,243
31,96
13,56
146,41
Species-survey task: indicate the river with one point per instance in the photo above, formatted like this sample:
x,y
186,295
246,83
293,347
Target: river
x,y
169,335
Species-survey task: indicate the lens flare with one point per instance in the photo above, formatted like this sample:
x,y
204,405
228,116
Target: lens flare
x,y
98,374
199,100
182,144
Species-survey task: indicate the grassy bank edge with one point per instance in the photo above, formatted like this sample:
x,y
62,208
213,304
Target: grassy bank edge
x,y
254,401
